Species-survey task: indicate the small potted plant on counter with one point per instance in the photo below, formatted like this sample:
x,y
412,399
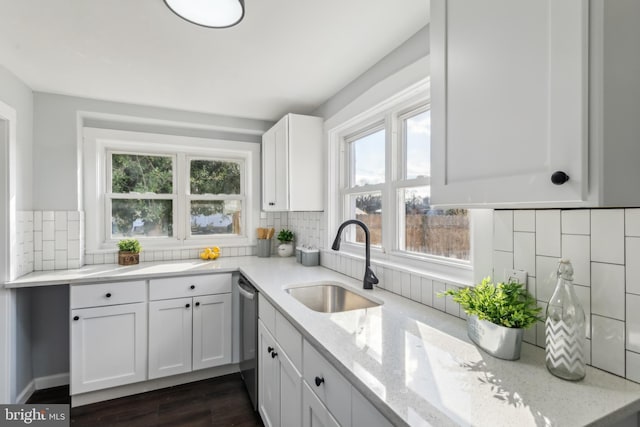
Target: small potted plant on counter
x,y
498,315
129,252
286,242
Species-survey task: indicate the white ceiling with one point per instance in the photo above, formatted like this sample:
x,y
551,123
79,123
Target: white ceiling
x,y
286,55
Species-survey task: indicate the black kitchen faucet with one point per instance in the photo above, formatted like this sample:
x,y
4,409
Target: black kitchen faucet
x,y
370,278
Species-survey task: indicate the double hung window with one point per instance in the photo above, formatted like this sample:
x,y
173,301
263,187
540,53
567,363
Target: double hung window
x,y
168,191
386,169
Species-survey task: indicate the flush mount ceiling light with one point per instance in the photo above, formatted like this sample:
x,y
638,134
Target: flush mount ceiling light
x,y
208,13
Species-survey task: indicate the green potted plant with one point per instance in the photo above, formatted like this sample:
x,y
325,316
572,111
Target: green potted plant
x,y
129,251
286,242
498,315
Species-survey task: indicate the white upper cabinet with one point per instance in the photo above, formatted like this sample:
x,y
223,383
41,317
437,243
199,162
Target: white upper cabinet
x,y
292,165
524,89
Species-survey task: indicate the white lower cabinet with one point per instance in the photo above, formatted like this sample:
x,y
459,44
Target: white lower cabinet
x,y
108,346
314,413
280,384
170,335
187,334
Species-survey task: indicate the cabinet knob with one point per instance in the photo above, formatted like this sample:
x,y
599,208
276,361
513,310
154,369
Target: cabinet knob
x,y
270,349
273,354
187,306
559,177
198,304
108,295
272,204
76,318
192,287
319,380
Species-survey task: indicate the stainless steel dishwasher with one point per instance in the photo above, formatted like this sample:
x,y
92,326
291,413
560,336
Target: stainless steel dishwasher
x,y
249,337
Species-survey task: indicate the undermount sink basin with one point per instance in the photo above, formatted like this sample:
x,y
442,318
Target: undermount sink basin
x,y
330,297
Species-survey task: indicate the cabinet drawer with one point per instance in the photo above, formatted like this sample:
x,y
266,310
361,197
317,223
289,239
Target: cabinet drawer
x,y
101,294
189,286
289,340
332,388
267,313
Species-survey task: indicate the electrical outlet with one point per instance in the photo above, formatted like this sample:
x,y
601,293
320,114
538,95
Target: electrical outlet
x,y
519,276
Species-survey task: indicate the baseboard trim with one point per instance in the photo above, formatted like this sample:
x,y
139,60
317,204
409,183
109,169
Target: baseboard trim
x,y
52,381
41,383
26,393
149,385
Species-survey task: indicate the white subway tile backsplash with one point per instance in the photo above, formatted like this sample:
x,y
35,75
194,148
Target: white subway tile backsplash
x,y
584,297
48,230
607,290
427,291
48,216
61,239
502,262
607,235
632,265
633,366
576,248
632,222
607,344
439,302
60,218
548,233
450,306
633,323
48,250
546,268
406,285
416,288
524,220
576,221
503,230
524,252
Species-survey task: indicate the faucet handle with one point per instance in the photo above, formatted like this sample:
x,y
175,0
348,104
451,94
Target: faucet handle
x,y
370,278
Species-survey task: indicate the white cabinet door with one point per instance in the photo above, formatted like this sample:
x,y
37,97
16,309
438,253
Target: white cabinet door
x,y
269,379
290,391
275,167
211,331
108,346
364,414
169,337
509,104
314,413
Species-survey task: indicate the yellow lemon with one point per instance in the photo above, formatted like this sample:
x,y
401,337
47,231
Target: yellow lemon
x,y
204,255
213,255
216,249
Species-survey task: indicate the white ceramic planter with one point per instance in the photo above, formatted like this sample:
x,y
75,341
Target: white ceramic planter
x,y
499,341
285,249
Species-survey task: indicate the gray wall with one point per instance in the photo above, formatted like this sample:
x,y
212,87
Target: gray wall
x,y
50,330
55,138
16,94
414,49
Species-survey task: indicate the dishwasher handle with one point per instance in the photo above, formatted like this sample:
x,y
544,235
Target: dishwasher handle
x,y
248,294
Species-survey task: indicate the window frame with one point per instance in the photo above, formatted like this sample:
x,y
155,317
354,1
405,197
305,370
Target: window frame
x,y
99,144
391,111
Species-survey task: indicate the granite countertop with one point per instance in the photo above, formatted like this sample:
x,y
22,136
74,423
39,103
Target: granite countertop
x,y
415,363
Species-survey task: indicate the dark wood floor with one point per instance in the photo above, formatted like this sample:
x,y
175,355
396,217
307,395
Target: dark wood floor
x,y
221,401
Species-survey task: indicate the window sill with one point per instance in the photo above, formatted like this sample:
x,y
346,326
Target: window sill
x,y
440,270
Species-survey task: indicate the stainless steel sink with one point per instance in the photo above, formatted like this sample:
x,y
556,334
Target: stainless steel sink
x,y
330,298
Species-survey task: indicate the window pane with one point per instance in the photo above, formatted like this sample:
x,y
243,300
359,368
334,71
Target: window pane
x,y
215,217
369,156
146,218
434,232
141,174
214,177
418,134
368,209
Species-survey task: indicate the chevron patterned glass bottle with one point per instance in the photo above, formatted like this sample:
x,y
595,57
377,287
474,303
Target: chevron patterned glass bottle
x,y
565,328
